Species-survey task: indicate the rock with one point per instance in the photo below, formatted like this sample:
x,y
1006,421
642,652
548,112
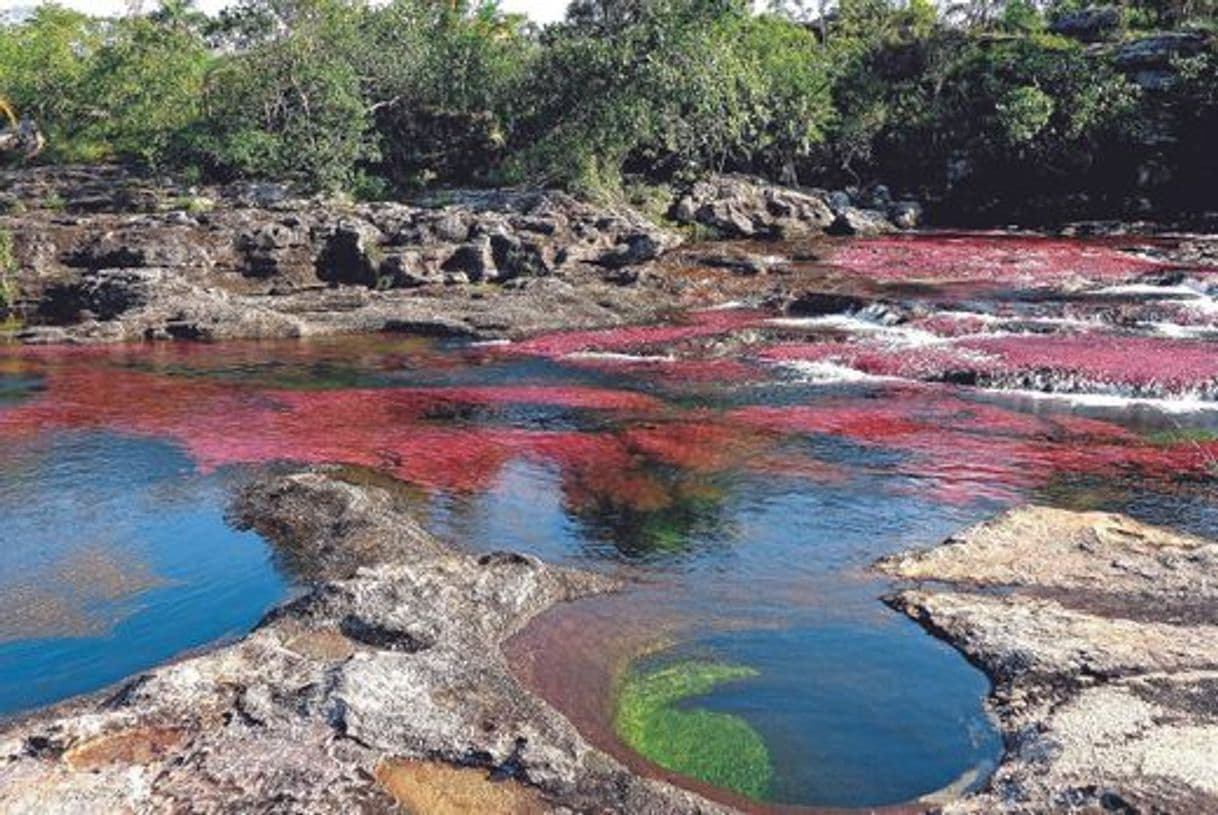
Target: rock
x,y
635,249
257,194
1158,51
407,269
474,260
271,249
839,201
742,207
860,222
876,197
131,247
1092,24
384,684
1103,647
451,227
820,304
261,263
905,214
350,254
739,261
101,295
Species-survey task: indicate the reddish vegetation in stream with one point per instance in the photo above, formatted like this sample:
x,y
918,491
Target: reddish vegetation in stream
x,y
1023,260
638,338
1071,363
880,359
956,449
1143,363
965,450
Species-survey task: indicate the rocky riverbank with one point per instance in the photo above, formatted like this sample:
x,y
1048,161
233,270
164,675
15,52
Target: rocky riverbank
x,y
383,685
102,255
1100,635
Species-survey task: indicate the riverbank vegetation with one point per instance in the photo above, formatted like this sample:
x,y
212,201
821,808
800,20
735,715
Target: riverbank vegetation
x,y
1003,98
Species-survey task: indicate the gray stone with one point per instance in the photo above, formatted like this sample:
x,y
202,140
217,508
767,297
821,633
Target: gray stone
x,y
906,214
475,260
743,207
1103,647
1092,24
394,654
350,254
860,222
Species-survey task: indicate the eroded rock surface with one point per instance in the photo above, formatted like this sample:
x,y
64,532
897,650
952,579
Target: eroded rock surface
x,y
1101,635
103,255
361,695
735,206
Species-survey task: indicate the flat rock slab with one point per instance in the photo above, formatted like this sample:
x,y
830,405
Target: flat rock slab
x,y
1101,636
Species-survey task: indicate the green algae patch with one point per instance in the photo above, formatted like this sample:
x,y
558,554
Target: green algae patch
x,y
718,748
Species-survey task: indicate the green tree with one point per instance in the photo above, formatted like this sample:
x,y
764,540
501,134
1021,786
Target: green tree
x,y
291,106
43,64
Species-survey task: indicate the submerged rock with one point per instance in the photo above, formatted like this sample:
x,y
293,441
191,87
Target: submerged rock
x,y
368,691
1103,646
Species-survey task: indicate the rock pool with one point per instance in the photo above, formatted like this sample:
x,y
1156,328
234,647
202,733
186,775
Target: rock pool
x,y
740,468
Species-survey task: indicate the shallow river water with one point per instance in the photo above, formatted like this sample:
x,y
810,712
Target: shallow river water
x,y
739,471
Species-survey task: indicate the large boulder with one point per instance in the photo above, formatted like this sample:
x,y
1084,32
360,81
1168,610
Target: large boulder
x,y
102,294
350,254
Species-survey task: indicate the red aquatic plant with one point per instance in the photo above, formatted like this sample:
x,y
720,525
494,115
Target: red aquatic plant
x,y
1149,365
696,325
1022,261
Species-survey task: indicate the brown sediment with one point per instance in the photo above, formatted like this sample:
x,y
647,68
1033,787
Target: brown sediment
x,y
59,600
431,788
29,612
96,574
136,746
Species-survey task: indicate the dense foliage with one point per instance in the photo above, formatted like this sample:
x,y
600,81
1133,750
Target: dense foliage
x,y
373,97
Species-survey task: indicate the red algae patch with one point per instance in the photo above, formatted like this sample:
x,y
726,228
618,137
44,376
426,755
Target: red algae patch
x,y
1094,362
697,325
931,362
958,450
1023,261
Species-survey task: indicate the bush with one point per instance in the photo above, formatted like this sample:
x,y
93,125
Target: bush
x,y
668,90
